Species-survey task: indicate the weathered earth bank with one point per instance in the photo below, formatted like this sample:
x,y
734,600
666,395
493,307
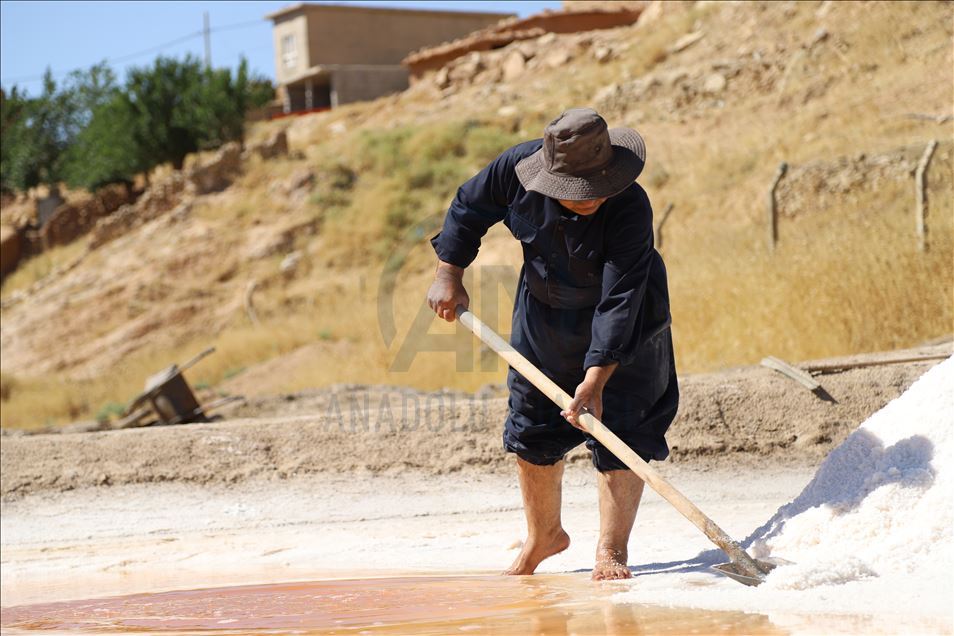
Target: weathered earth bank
x,y
746,414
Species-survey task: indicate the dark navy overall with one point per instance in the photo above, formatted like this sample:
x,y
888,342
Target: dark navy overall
x,y
592,291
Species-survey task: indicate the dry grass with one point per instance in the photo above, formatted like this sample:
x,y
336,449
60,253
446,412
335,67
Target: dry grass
x,y
829,296
40,266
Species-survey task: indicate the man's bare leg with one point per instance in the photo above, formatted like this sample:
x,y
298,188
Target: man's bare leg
x,y
620,492
542,488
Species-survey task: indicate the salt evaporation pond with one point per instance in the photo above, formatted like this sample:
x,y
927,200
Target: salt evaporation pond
x,y
870,538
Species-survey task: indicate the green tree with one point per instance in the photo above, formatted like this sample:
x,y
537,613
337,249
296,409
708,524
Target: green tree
x,y
13,132
90,132
35,138
164,99
38,133
105,151
102,149
180,107
224,101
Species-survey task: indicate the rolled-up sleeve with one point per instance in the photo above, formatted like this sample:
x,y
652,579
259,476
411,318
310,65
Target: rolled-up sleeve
x,y
479,203
616,329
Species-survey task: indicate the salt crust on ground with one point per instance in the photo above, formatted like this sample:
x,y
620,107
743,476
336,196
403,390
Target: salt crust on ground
x,y
870,534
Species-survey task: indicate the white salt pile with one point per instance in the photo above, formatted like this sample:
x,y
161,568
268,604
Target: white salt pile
x,y
870,534
881,504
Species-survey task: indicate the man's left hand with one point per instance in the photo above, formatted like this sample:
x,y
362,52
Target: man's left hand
x,y
589,395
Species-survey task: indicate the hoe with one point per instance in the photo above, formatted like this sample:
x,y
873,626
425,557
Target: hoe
x,y
741,566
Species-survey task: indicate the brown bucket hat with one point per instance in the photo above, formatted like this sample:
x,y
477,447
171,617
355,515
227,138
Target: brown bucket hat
x,y
582,158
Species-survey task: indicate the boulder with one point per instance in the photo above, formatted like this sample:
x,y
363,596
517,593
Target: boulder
x,y
514,65
467,68
442,78
216,173
558,58
274,146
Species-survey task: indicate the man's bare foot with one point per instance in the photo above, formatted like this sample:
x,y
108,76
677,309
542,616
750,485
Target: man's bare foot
x,y
536,550
610,565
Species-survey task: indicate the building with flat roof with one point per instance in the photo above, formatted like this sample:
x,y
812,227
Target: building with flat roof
x,y
328,55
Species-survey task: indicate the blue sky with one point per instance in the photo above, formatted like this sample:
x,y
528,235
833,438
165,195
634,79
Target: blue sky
x,y
69,35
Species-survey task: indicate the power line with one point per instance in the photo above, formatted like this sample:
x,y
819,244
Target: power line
x,y
153,49
238,25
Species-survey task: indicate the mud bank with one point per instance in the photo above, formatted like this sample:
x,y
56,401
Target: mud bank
x,y
737,415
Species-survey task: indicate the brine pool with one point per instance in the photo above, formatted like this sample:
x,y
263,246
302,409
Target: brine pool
x,y
541,604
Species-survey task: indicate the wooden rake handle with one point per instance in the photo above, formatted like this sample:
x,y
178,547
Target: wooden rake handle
x,y
609,439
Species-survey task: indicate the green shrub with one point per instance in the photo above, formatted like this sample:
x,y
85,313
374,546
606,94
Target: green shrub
x,y
108,410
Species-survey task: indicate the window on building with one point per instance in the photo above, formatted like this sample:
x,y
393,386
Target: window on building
x,y
289,52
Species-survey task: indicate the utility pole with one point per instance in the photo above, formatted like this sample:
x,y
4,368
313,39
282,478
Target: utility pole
x,y
208,40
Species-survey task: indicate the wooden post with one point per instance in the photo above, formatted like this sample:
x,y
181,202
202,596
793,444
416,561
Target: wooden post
x,y
250,302
657,235
920,194
773,207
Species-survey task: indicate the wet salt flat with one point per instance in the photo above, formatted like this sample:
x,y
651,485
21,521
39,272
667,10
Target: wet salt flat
x,y
868,541
547,604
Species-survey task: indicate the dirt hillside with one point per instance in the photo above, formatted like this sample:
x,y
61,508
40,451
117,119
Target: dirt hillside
x,y
320,242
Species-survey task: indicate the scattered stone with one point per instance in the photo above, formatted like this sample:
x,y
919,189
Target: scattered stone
x,y
820,36
301,178
181,212
442,78
467,68
290,263
606,94
274,146
527,49
557,59
685,42
85,426
265,241
602,54
547,39
216,173
651,14
674,77
514,65
714,83
507,111
489,78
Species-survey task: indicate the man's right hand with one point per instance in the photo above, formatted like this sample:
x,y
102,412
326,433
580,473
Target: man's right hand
x,y
447,291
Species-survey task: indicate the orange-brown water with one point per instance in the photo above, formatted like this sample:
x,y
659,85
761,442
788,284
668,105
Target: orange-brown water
x,y
548,604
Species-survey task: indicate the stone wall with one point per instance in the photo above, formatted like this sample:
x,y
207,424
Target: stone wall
x,y
586,18
72,220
